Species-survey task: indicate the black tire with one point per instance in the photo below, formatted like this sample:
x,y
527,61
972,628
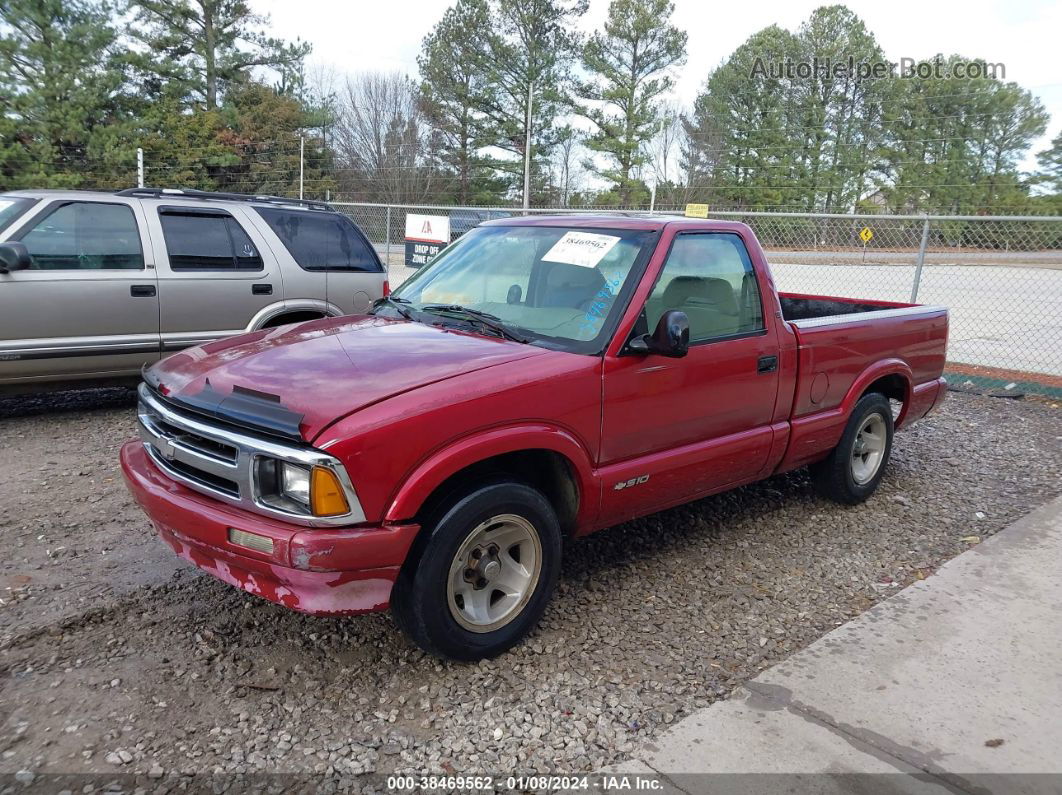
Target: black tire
x,y
835,476
421,600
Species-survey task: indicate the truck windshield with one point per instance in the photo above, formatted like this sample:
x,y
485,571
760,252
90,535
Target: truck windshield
x,y
556,286
11,207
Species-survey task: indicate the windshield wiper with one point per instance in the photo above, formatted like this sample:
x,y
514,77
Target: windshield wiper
x,y
485,319
397,303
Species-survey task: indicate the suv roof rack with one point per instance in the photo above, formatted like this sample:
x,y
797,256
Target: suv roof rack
x,y
188,193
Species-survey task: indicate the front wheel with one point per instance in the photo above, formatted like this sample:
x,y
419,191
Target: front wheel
x,y
481,579
855,467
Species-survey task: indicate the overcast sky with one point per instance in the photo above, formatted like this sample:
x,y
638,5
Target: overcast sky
x,y
1023,35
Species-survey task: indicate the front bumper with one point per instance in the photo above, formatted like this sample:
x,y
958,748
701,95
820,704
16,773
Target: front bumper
x,y
322,571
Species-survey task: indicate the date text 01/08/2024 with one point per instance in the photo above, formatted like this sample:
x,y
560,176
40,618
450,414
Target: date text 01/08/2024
x,y
451,783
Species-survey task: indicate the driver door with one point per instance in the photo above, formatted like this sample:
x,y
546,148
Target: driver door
x,y
88,306
676,429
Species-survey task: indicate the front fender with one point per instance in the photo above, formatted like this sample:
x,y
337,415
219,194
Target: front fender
x,y
479,446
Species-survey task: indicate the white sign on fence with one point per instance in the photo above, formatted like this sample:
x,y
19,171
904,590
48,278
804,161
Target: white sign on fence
x,y
426,236
428,228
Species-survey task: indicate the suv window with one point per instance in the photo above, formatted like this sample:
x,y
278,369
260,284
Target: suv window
x,y
85,236
11,207
708,276
321,241
207,240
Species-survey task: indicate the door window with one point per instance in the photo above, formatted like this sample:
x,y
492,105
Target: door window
x,y
321,241
11,207
207,240
85,236
710,278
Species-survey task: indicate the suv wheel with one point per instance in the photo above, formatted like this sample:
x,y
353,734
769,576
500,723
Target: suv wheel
x,y
483,575
853,470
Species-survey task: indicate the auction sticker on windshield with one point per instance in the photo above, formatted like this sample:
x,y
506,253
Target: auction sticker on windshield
x,y
584,249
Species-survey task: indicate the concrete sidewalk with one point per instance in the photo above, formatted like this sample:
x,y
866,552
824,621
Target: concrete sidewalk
x,y
952,685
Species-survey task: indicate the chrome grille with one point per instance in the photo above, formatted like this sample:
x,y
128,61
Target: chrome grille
x,y
196,442
220,461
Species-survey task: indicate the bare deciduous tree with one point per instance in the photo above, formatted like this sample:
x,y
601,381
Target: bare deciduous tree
x,y
385,148
566,172
663,151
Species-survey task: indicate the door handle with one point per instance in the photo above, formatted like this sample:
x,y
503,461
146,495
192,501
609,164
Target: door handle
x,y
261,289
142,290
767,364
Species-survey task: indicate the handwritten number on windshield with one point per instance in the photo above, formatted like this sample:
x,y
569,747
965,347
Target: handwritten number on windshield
x,y
598,308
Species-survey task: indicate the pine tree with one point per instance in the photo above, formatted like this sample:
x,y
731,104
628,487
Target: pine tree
x,y
59,78
454,85
839,113
629,65
1050,161
741,151
211,43
527,59
762,135
954,145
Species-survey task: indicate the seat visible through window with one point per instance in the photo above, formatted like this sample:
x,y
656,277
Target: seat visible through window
x,y
571,286
709,277
709,303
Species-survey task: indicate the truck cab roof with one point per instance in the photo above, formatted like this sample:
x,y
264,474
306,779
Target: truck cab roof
x,y
644,222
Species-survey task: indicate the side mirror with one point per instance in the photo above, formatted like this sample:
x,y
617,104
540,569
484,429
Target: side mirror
x,y
670,338
14,257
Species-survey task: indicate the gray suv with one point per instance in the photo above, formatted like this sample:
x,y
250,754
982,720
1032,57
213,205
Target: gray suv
x,y
95,285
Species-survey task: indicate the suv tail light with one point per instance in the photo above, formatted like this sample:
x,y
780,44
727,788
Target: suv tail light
x,y
387,288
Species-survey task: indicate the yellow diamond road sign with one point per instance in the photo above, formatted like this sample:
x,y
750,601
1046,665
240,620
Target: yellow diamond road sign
x,y
696,210
865,234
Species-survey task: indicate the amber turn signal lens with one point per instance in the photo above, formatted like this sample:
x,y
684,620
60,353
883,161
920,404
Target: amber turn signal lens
x,y
326,494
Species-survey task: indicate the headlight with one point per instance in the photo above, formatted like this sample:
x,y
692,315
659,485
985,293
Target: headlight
x,y
295,483
311,491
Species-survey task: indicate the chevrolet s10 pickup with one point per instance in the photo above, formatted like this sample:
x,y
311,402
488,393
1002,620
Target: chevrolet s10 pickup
x,y
542,379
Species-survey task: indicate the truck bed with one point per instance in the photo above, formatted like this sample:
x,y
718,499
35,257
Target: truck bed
x,y
797,306
836,338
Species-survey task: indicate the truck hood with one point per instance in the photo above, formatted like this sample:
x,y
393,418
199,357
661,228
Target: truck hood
x,y
296,380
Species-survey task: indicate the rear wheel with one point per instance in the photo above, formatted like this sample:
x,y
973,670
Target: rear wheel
x,y
853,470
482,577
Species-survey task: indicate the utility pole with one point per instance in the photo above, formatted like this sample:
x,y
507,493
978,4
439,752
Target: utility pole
x,y
527,148
139,167
302,161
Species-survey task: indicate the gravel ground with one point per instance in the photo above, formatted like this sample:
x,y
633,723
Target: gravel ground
x,y
116,659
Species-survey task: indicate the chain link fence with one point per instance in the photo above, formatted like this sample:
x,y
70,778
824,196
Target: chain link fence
x,y
1000,277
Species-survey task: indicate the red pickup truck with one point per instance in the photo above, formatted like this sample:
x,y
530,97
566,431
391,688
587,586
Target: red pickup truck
x,y
543,378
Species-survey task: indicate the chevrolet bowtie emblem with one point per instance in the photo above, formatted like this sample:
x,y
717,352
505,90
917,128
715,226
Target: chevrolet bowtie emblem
x,y
166,449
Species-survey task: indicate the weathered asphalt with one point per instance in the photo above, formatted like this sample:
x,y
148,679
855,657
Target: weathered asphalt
x,y
954,684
